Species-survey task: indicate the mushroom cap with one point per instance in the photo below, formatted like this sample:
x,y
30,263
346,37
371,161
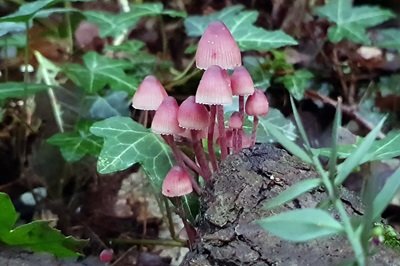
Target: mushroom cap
x,y
165,120
235,121
177,183
214,88
149,94
192,115
241,82
217,47
257,104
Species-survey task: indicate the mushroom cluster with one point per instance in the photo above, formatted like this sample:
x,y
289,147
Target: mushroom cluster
x,y
200,118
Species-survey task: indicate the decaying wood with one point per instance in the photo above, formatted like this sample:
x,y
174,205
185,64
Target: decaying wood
x,y
229,234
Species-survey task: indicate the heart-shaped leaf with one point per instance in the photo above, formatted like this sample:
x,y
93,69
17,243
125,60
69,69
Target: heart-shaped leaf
x,y
20,89
8,215
27,11
127,142
241,24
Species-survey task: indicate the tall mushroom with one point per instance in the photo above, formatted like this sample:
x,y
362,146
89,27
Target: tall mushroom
x,y
195,117
215,91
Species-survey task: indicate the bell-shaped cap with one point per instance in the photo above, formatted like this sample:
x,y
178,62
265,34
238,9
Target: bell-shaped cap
x,y
217,47
192,115
235,121
214,88
257,104
165,120
177,183
149,94
241,82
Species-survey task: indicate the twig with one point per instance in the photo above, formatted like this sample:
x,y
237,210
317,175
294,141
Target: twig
x,y
348,110
151,242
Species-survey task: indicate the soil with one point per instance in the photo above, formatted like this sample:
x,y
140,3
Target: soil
x,y
228,232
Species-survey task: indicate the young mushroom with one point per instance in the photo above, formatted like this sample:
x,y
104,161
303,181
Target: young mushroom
x,y
195,117
177,183
256,105
236,124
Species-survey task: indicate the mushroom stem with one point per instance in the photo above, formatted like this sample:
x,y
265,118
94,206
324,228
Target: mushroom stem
x,y
236,137
210,138
200,155
179,159
241,111
221,131
189,162
254,131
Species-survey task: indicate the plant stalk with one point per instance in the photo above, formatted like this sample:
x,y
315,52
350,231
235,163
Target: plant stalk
x,y
221,131
200,155
210,138
254,131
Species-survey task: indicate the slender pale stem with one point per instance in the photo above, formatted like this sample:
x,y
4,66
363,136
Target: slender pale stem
x,y
189,162
210,138
236,137
254,132
171,227
241,112
200,155
221,131
179,159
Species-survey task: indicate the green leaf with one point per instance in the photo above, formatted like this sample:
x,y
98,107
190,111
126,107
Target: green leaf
x,y
351,22
386,195
114,104
297,82
337,123
293,192
388,38
357,156
16,40
288,144
11,27
256,65
383,149
191,206
39,236
8,215
114,24
302,225
99,71
127,142
129,47
27,11
75,145
241,25
20,89
277,121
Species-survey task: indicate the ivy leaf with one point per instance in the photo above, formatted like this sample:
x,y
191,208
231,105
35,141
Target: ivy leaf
x,y
16,40
99,71
115,103
114,24
75,145
302,225
8,215
255,66
20,89
351,22
297,82
127,142
388,38
11,27
38,236
241,24
277,121
27,11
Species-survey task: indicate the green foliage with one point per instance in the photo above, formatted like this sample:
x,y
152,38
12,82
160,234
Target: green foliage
x,y
127,142
293,192
302,225
99,71
388,38
297,83
386,234
11,27
241,24
114,103
20,89
27,11
351,22
35,236
383,149
75,145
389,85
114,24
256,67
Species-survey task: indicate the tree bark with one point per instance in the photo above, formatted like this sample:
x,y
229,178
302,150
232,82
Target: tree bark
x,y
230,207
